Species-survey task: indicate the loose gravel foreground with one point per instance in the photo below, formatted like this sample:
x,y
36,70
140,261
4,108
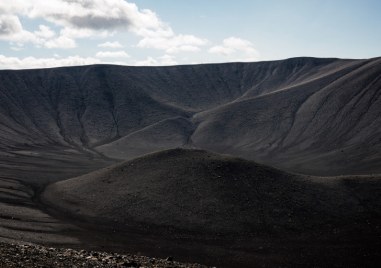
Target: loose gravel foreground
x,y
13,255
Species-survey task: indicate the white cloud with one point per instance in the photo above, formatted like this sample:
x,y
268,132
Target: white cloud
x,y
112,54
44,32
9,25
86,14
84,33
237,49
173,43
167,60
222,50
12,30
60,42
90,14
115,44
15,6
68,20
100,18
160,61
149,61
32,62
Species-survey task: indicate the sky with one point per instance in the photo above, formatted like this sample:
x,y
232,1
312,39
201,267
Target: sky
x,y
51,33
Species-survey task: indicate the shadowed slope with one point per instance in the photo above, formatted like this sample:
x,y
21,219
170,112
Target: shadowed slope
x,y
166,134
192,190
321,127
309,115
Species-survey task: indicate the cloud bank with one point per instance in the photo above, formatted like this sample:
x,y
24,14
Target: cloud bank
x,y
86,18
64,22
32,62
115,44
237,48
112,54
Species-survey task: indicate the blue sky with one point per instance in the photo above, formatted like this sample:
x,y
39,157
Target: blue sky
x,y
40,33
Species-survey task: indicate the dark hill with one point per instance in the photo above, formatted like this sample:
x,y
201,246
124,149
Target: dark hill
x,y
206,193
313,127
308,115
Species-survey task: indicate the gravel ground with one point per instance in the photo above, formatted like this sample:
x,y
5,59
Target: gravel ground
x,y
13,255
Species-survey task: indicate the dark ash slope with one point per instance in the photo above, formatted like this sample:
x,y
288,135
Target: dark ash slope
x,y
321,126
214,209
312,116
309,115
206,193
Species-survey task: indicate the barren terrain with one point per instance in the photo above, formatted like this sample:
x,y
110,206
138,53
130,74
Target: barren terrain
x,y
252,164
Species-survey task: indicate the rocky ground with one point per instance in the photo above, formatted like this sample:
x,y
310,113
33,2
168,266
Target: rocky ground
x,y
14,255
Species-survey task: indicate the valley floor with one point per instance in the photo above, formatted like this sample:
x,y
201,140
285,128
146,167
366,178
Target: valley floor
x,y
24,218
